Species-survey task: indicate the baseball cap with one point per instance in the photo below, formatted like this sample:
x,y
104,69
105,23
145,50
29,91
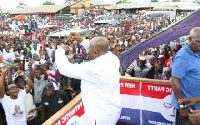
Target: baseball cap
x,y
164,58
81,56
48,85
142,58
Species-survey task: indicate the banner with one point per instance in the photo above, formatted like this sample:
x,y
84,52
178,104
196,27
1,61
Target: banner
x,y
156,104
146,103
73,117
130,100
142,104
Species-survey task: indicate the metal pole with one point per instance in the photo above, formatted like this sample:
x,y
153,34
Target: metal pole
x,y
150,5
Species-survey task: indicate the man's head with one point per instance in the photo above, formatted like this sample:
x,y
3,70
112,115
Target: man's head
x,y
49,89
142,61
7,49
162,60
97,47
164,51
36,56
38,72
13,91
152,60
194,40
20,82
35,46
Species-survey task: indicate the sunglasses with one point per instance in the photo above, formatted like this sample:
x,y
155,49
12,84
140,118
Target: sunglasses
x,y
13,88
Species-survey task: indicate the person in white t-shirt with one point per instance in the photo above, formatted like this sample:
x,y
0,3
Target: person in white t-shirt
x,y
7,55
14,105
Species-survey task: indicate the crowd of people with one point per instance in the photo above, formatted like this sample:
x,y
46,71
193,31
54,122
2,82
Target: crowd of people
x,y
32,65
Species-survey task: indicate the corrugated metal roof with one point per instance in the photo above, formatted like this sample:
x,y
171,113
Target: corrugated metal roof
x,y
37,9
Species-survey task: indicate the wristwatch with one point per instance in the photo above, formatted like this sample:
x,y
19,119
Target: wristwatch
x,y
181,106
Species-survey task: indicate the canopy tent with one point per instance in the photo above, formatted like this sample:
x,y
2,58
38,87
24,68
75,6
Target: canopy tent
x,y
19,17
173,32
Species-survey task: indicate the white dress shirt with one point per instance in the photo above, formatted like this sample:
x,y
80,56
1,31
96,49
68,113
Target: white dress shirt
x,y
100,88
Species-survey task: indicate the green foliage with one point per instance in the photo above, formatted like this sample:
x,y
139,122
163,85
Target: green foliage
x,y
68,1
154,0
122,2
48,3
21,5
197,1
176,0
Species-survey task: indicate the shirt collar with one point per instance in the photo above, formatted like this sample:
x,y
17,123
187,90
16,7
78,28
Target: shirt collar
x,y
188,49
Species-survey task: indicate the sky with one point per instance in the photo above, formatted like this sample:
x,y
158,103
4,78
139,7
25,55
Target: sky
x,y
12,4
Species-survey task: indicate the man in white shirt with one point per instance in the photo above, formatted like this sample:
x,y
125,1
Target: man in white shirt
x,y
34,50
7,55
14,105
100,89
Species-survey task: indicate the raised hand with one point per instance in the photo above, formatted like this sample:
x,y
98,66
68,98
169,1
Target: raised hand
x,y
53,46
21,73
14,66
76,37
4,69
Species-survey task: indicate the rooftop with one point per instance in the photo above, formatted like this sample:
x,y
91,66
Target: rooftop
x,y
36,9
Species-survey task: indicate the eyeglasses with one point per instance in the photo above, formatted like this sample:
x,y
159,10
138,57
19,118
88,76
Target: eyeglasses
x,y
13,88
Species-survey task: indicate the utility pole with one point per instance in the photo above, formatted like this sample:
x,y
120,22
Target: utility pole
x,y
150,6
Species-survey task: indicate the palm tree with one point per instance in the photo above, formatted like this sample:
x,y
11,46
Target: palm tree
x,y
21,5
48,3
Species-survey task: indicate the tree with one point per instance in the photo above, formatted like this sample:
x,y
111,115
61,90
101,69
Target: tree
x,y
154,0
176,0
70,1
21,5
122,2
197,1
48,3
